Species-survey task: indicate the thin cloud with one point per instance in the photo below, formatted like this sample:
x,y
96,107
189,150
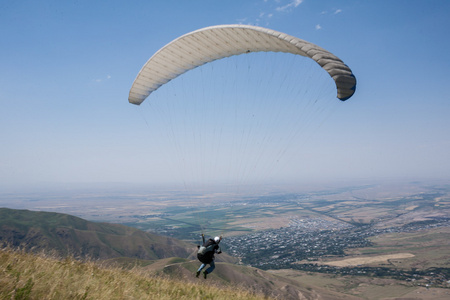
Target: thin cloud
x,y
242,21
318,27
335,12
98,80
292,4
269,11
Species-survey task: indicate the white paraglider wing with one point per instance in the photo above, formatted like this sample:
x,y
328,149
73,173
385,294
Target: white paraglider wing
x,y
211,43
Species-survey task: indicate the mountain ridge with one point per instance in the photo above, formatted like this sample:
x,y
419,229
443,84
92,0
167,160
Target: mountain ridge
x,y
70,235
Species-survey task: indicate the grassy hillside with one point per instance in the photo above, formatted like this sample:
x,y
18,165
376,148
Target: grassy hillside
x,y
69,235
30,276
244,277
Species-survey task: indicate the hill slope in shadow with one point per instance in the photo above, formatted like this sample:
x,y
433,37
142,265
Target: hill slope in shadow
x,y
69,235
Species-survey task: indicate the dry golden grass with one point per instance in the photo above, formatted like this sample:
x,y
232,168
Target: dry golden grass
x,y
262,223
355,261
28,276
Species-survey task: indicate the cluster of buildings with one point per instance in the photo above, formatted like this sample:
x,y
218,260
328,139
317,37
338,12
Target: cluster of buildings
x,y
308,239
303,239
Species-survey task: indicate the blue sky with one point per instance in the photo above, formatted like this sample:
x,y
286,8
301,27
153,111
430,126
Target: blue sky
x,y
67,67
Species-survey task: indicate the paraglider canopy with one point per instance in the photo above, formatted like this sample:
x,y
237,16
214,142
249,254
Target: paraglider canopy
x,y
211,43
